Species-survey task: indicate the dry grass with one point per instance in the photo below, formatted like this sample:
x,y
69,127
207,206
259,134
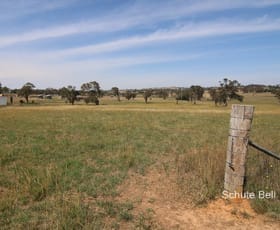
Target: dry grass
x,y
65,166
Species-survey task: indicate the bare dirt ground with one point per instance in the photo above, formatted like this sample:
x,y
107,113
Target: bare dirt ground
x,y
157,194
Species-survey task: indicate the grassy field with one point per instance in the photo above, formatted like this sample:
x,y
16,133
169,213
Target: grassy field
x,y
62,166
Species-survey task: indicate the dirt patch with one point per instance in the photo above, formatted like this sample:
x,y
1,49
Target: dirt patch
x,y
158,194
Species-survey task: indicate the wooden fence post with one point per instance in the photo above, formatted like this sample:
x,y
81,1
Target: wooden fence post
x,y
240,125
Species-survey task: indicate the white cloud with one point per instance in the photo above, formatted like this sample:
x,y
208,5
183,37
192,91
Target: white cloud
x,y
189,31
137,15
173,9
55,69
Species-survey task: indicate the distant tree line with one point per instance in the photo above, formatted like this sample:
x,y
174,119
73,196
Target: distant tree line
x,y
253,88
91,92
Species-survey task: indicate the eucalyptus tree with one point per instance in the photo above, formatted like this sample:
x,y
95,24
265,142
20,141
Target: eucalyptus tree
x,y
128,94
182,94
196,93
26,91
91,91
147,94
116,93
162,93
227,90
69,93
276,91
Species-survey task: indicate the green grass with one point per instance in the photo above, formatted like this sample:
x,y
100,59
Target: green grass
x,y
61,165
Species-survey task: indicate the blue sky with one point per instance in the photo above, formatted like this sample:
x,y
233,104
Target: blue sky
x,y
139,43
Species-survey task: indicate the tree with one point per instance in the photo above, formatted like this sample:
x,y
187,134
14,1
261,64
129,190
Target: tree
x,y
196,93
162,93
129,94
92,87
116,93
147,94
278,95
228,90
182,94
4,89
133,94
51,91
69,93
213,93
91,91
276,91
26,90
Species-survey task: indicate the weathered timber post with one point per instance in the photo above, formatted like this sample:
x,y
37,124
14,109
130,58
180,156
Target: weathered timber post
x,y
240,125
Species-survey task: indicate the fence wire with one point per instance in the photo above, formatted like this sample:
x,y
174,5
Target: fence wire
x,y
262,149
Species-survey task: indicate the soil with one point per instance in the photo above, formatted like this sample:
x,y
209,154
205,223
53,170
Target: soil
x,y
156,194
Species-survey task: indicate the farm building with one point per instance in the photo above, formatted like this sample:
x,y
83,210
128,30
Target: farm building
x,y
3,101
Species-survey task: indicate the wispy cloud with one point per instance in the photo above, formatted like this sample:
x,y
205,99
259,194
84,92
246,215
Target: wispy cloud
x,y
135,15
16,8
39,71
173,9
69,29
189,31
139,24
33,66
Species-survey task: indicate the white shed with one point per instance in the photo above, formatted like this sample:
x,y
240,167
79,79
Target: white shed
x,y
3,100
